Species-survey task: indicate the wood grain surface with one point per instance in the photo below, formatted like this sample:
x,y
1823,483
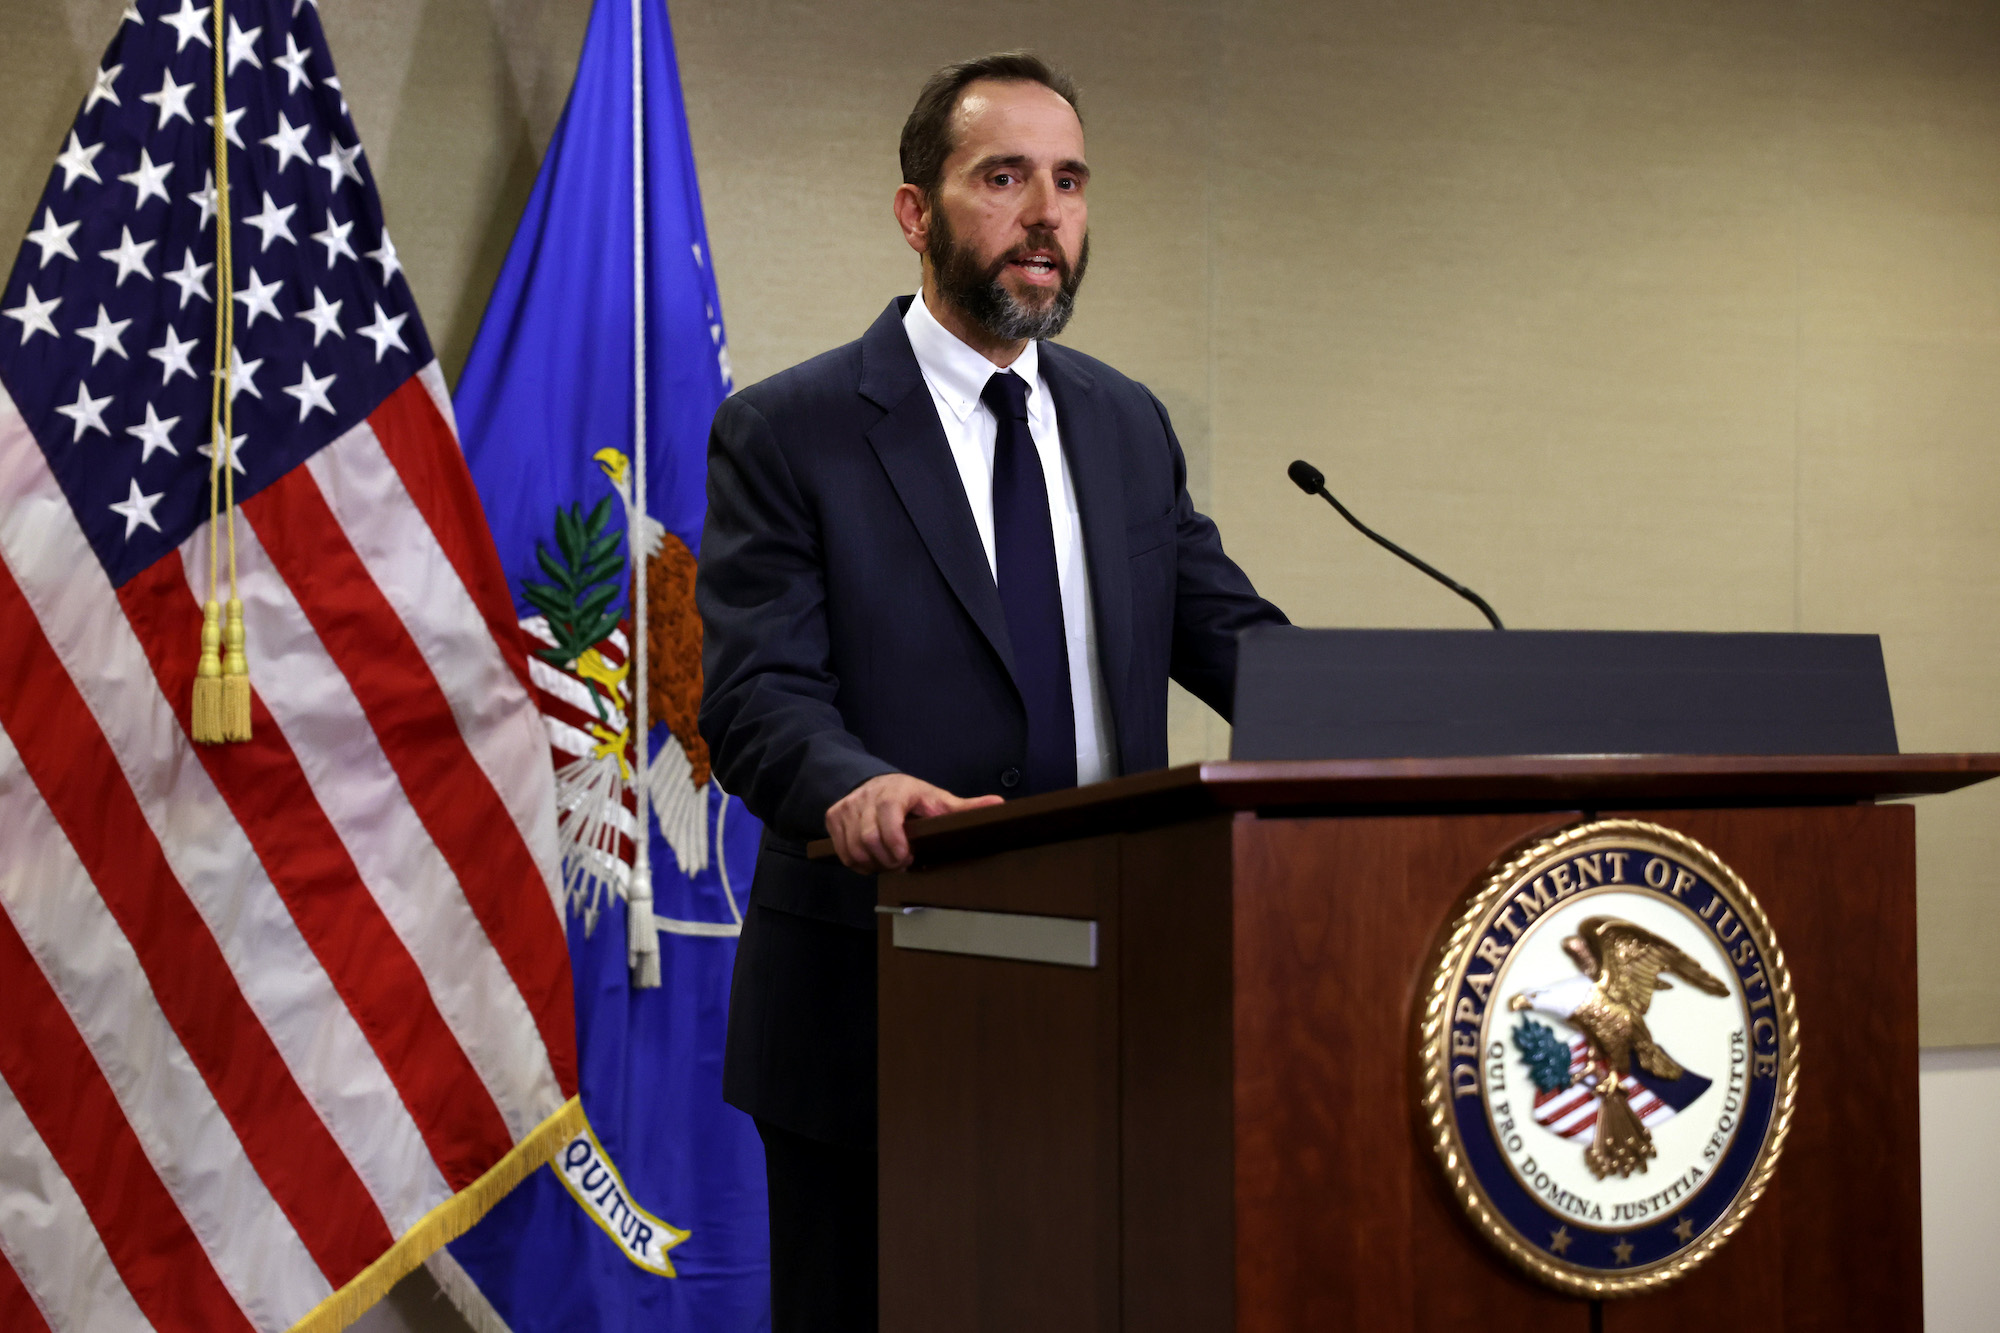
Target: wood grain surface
x,y
1836,1243
1215,1127
1175,1078
1509,782
1341,1218
999,1106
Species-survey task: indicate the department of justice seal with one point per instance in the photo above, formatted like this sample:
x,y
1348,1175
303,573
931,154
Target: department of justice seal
x,y
1609,1052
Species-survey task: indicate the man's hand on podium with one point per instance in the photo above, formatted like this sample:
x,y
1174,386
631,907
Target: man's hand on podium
x,y
866,825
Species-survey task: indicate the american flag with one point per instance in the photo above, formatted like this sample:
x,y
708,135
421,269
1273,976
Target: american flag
x,y
272,1009
1572,1111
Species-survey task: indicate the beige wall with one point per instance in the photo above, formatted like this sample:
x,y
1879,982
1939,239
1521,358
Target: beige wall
x,y
1630,315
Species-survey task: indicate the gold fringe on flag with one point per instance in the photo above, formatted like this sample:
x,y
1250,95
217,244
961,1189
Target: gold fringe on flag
x,y
446,1222
221,706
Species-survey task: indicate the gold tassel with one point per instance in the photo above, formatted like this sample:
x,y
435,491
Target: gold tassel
x,y
221,706
207,723
235,677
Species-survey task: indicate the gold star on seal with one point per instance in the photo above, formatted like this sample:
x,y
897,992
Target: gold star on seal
x,y
1623,1251
1685,1230
1559,1241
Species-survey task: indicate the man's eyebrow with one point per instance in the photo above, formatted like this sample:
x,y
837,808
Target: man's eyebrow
x,y
1072,166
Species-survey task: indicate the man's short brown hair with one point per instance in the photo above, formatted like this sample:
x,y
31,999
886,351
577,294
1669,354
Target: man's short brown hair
x,y
927,133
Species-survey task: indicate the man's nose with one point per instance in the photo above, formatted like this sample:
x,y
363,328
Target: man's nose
x,y
1038,208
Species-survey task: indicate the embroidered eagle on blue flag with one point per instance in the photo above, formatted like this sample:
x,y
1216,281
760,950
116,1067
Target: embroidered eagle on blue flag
x,y
585,407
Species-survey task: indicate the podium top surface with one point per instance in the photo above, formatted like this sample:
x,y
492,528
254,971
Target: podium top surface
x,y
1511,782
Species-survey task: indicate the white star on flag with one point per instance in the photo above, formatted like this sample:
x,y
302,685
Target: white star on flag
x,y
243,374
107,335
137,509
243,45
385,255
229,119
289,141
102,91
86,412
190,24
54,239
192,279
338,162
256,298
34,313
384,331
173,356
172,99
130,256
293,62
324,317
273,222
334,238
76,160
235,452
311,392
149,179
205,197
154,434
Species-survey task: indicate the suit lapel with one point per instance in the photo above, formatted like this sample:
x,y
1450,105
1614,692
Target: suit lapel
x,y
910,443
1090,444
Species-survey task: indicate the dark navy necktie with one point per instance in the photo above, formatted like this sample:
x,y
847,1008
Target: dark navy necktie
x,y
1024,558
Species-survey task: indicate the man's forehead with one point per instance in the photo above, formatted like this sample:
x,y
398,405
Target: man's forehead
x,y
1013,118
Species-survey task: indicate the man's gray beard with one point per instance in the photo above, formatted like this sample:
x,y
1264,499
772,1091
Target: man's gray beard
x,y
986,301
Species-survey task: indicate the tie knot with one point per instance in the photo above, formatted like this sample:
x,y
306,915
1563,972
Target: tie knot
x,y
1006,395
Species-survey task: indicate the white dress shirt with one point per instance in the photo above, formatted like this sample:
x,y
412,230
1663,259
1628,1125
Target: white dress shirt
x,y
956,374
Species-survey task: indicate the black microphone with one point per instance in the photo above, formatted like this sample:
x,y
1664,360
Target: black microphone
x,y
1313,482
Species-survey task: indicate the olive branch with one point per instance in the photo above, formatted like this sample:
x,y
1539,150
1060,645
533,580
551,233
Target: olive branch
x,y
1547,1055
585,577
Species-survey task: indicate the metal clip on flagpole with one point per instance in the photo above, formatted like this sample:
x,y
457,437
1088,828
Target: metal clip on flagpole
x,y
221,706
642,939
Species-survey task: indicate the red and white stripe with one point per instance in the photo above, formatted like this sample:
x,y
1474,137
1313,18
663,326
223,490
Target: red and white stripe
x,y
268,1004
597,813
1572,1111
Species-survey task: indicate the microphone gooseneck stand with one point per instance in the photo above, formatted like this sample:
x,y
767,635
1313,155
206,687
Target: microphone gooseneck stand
x,y
1313,482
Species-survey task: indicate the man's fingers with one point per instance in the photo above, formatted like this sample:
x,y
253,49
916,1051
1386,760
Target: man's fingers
x,y
874,853
846,845
865,854
940,802
895,845
867,825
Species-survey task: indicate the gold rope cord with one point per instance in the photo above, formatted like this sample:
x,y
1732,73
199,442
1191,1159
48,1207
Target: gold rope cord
x,y
221,709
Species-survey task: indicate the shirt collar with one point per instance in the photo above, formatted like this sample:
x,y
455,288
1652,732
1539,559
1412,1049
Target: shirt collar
x,y
957,372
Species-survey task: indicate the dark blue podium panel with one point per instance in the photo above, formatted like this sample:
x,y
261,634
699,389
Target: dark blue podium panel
x,y
1391,693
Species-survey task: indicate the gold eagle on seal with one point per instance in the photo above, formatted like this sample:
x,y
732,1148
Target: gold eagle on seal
x,y
1623,965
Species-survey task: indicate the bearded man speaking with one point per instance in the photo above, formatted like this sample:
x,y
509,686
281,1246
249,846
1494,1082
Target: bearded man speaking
x,y
946,565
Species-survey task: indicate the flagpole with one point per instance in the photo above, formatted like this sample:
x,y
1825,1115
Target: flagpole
x,y
642,941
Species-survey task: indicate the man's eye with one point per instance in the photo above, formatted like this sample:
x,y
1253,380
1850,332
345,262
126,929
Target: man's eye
x,y
1003,178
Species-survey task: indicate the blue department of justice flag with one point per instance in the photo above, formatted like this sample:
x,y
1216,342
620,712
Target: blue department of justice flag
x,y
584,409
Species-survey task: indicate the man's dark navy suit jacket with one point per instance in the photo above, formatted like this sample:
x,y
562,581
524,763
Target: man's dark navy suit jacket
x,y
852,628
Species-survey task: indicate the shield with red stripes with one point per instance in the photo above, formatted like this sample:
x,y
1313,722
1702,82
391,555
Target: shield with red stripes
x,y
1572,1111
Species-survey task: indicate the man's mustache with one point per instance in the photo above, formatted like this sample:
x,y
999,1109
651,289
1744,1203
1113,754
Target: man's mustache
x,y
1043,241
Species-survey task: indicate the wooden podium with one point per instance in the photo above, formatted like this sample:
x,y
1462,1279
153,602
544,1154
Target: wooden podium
x,y
1202,1116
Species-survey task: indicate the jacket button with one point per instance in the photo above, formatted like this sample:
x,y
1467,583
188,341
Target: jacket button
x,y
1010,777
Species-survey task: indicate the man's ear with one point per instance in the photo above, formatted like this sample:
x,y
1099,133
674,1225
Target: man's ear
x,y
913,215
